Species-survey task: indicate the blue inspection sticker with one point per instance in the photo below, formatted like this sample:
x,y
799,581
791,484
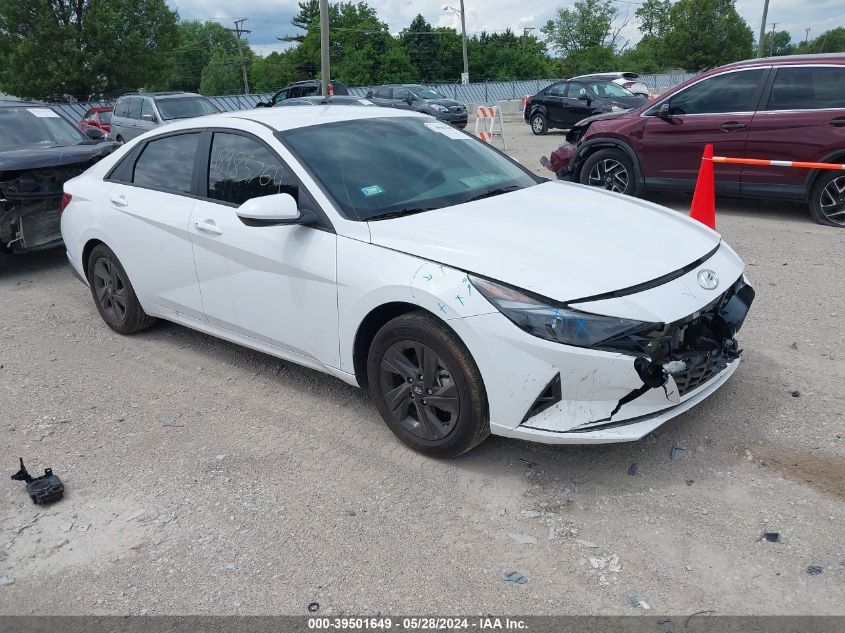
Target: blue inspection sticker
x,y
372,190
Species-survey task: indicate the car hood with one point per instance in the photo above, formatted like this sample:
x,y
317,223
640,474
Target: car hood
x,y
559,240
599,117
631,103
37,157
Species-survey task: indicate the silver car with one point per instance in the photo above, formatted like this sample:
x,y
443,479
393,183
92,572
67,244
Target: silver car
x,y
137,113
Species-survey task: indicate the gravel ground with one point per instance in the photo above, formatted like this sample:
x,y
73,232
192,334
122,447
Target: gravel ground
x,y
205,478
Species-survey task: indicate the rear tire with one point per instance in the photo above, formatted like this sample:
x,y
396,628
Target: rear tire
x,y
827,200
113,293
539,125
610,169
427,386
119,139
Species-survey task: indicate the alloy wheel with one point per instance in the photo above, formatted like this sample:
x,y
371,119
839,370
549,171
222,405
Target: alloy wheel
x,y
419,390
832,202
110,288
609,174
537,124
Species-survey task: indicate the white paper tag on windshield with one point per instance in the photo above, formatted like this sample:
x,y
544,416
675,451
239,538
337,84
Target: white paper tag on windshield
x,y
43,113
447,130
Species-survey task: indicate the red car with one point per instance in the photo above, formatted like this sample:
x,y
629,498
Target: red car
x,y
779,108
99,118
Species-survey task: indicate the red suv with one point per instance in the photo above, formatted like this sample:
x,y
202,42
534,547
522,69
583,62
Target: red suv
x,y
780,108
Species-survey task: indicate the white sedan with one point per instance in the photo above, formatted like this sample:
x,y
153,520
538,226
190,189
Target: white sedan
x,y
402,255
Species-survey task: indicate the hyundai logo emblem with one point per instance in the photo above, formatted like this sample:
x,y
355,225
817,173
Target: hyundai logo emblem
x,y
708,279
418,391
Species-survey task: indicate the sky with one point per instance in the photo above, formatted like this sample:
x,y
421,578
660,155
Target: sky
x,y
269,19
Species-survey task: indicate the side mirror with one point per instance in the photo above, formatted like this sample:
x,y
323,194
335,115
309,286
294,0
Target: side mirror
x,y
94,133
280,208
148,117
583,97
665,111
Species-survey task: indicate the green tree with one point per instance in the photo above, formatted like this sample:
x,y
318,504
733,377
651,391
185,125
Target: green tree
x,y
779,44
706,33
270,73
654,17
584,36
832,41
197,43
56,49
223,75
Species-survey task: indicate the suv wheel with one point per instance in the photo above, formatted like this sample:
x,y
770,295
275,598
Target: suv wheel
x,y
827,200
427,386
610,169
539,125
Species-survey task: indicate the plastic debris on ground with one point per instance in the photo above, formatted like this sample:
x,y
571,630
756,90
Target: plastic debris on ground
x,y
815,570
678,452
771,537
514,576
524,539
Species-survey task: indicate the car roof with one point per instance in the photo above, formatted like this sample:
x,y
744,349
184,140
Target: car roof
x,y
10,103
280,119
791,60
161,95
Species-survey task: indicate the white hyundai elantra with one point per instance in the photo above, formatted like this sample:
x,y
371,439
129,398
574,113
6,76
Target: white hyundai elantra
x,y
405,256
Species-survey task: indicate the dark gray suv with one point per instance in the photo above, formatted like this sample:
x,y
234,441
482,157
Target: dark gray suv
x,y
137,113
420,99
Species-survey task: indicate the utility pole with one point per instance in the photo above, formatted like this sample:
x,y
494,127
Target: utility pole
x,y
807,35
525,32
465,75
763,28
238,30
772,47
324,46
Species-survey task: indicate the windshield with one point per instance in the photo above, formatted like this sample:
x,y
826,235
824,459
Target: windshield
x,y
105,117
24,128
426,93
184,107
610,90
394,166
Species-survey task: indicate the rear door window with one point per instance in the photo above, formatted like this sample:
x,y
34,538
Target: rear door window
x,y
167,163
808,88
384,93
731,92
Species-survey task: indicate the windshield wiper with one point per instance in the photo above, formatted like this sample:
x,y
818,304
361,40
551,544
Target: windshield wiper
x,y
398,214
494,192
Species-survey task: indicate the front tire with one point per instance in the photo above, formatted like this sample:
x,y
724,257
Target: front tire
x,y
827,200
539,125
610,169
113,293
427,386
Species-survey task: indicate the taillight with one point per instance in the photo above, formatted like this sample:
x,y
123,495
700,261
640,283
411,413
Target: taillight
x,y
66,198
330,90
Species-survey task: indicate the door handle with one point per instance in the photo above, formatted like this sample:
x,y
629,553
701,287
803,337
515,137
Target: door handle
x,y
732,125
837,122
209,227
118,200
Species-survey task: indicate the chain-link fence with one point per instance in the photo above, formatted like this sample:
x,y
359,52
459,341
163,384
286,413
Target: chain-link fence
x,y
477,92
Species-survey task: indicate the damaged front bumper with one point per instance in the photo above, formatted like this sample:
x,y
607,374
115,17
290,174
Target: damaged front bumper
x,y
561,394
562,161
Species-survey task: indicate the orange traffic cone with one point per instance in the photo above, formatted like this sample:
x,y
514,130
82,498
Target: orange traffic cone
x,y
703,206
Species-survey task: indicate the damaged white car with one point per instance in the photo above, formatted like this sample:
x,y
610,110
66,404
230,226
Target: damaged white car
x,y
405,256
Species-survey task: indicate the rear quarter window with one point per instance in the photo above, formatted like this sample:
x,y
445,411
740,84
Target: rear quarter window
x,y
808,88
167,163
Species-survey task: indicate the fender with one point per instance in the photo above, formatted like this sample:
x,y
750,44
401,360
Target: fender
x,y
588,147
836,156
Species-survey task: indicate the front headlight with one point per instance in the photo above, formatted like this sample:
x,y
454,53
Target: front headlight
x,y
438,108
551,322
615,108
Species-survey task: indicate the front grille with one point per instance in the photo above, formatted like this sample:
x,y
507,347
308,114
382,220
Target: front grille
x,y
456,109
699,371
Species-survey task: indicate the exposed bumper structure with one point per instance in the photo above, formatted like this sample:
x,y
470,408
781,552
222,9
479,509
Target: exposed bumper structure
x,y
559,394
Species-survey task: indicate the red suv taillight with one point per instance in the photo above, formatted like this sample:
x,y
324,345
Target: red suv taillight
x,y
330,90
66,198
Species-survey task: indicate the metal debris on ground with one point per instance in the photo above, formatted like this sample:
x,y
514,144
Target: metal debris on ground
x,y
771,537
529,514
678,452
514,576
552,532
632,469
42,490
584,543
815,570
313,607
524,539
796,393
